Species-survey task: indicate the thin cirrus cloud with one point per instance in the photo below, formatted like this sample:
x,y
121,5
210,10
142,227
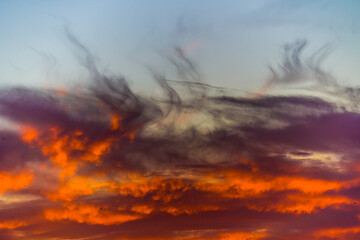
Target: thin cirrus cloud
x,y
104,162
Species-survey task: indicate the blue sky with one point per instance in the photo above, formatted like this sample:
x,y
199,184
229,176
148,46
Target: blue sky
x,y
237,40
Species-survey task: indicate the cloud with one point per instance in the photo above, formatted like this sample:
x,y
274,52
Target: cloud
x,y
296,69
14,181
108,163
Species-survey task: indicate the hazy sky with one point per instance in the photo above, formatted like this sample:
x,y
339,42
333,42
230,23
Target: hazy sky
x,y
235,41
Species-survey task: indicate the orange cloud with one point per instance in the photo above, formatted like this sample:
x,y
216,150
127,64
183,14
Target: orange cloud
x,y
54,146
301,195
142,209
59,148
338,233
242,236
135,184
14,182
12,224
96,151
87,213
239,184
78,186
188,209
197,235
301,203
29,134
115,122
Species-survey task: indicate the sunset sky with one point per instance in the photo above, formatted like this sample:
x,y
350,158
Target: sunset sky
x,y
194,120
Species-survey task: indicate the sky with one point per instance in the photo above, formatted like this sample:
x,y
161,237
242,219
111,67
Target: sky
x,y
195,120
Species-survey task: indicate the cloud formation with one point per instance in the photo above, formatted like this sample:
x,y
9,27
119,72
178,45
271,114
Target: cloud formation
x,y
108,163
